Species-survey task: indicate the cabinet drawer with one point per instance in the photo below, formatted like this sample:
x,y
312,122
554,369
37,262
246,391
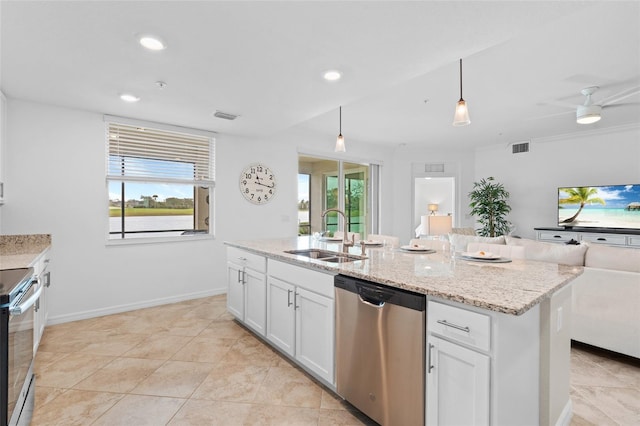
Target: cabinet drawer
x,y
315,281
611,239
633,240
244,258
557,236
461,325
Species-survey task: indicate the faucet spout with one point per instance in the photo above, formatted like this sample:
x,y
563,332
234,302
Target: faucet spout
x,y
345,238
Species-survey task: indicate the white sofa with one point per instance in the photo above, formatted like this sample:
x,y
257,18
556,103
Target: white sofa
x,y
606,297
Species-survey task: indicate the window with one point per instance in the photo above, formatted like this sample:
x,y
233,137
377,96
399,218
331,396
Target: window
x,y
350,187
160,180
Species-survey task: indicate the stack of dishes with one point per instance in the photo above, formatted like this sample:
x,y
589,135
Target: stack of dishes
x,y
417,249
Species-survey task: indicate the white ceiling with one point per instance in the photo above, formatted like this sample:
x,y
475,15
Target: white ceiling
x,y
264,61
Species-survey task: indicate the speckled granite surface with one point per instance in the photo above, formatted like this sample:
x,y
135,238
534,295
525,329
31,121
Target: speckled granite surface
x,y
19,251
511,288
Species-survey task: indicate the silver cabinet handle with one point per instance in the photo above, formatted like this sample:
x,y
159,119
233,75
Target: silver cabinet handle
x,y
295,300
289,298
239,279
242,259
457,327
431,366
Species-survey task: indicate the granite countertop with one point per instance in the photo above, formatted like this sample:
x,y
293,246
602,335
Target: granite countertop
x,y
511,288
19,251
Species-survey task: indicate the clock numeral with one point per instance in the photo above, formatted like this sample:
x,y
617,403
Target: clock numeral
x,y
252,195
259,199
270,192
244,182
270,177
246,190
253,170
247,175
259,168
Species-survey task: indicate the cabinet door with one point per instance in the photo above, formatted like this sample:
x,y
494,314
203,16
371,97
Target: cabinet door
x,y
315,333
235,290
457,384
255,301
281,315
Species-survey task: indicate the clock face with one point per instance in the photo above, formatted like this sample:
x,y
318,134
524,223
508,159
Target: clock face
x,y
258,184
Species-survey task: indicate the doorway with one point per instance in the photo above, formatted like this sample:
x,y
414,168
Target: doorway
x,y
437,191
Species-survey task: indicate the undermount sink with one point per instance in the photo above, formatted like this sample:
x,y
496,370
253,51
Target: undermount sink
x,y
326,255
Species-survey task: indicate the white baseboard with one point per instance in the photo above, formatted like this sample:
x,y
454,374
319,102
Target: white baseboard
x,y
59,319
565,417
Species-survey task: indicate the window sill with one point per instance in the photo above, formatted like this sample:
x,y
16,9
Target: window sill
x,y
158,240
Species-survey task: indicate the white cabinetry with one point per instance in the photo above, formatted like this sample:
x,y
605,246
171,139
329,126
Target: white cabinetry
x,y
300,316
477,372
41,271
457,384
561,236
3,142
246,288
457,377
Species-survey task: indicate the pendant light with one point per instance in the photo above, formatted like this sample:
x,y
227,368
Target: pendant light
x,y
461,117
340,141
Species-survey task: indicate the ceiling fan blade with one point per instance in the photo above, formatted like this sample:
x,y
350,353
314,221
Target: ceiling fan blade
x,y
620,105
620,96
557,114
559,104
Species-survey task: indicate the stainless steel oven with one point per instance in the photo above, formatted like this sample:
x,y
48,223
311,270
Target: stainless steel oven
x,y
18,294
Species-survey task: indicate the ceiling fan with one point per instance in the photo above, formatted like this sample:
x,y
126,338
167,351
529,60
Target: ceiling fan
x,y
590,112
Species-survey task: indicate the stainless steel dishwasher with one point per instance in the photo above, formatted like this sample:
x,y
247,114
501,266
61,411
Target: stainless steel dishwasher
x,y
380,350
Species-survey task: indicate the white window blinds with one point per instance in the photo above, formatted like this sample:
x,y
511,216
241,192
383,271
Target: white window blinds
x,y
148,154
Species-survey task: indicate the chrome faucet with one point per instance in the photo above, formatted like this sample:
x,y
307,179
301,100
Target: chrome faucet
x,y
345,237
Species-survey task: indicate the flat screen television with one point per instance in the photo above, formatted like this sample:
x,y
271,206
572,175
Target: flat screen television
x,y
605,207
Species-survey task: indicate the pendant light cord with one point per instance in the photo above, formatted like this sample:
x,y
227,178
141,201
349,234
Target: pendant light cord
x,y
341,119
461,79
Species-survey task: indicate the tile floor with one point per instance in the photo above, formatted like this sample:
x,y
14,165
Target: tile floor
x,y
189,364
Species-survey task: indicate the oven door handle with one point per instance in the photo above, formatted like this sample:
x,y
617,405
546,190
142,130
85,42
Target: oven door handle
x,y
22,307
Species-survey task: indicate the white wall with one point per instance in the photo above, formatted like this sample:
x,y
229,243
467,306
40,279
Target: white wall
x,y
584,159
458,163
55,183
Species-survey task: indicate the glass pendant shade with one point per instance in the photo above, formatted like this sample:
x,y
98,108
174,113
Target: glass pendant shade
x,y
340,141
340,144
461,117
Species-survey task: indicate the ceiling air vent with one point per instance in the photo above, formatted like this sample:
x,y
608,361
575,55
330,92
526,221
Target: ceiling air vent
x,y
225,115
434,168
519,147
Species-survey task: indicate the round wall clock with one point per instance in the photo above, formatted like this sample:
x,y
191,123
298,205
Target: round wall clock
x,y
258,183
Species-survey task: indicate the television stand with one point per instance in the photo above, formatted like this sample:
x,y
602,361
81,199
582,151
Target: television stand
x,y
612,237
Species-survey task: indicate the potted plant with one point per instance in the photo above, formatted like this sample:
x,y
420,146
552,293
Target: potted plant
x,y
489,205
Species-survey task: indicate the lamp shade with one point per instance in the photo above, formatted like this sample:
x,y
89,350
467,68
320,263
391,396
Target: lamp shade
x,y
340,144
440,225
461,116
433,208
587,114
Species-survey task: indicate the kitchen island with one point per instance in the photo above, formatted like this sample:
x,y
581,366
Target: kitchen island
x,y
518,312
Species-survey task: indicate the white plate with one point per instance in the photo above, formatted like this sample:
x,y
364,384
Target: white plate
x,y
419,248
481,255
330,238
372,243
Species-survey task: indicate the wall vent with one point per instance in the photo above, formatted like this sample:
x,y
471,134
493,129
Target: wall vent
x,y
434,168
225,115
519,147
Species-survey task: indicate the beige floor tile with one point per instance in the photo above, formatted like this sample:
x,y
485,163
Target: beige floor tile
x,y
112,344
227,329
620,404
203,349
342,418
141,410
70,370
158,346
238,383
248,350
43,357
209,311
282,416
219,413
120,376
174,379
587,373
288,386
75,408
187,326
331,401
45,394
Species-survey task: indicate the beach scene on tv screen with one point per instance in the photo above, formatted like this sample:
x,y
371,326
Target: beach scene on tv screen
x,y
616,206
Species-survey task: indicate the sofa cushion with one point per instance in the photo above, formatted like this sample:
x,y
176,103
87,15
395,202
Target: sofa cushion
x,y
608,257
551,252
459,242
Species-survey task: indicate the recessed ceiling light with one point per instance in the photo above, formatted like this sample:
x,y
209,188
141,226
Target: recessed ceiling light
x,y
332,75
152,43
128,97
